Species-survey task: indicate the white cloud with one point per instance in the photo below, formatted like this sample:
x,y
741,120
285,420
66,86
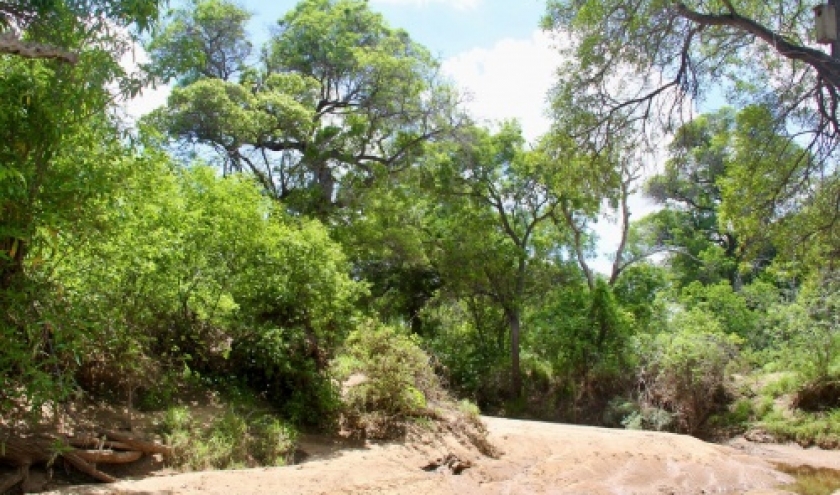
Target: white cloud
x,y
509,80
608,230
458,4
149,98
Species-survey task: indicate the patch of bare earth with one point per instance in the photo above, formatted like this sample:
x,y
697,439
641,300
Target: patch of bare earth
x,y
536,458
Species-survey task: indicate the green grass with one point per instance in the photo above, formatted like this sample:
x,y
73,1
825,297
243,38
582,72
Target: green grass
x,y
232,441
807,429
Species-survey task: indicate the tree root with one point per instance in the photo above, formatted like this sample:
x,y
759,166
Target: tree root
x,y
82,452
12,479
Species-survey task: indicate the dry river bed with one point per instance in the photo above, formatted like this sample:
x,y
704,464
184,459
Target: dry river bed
x,y
538,458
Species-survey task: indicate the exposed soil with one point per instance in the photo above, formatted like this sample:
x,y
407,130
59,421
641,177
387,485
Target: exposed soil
x,y
536,458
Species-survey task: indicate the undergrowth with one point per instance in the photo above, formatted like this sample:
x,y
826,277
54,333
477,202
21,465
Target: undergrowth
x,y
234,440
807,429
391,391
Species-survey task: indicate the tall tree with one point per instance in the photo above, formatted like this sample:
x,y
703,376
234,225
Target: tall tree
x,y
689,190
337,100
207,40
640,65
732,190
52,112
493,184
587,185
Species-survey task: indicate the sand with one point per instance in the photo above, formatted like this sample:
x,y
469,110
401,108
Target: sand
x,y
537,458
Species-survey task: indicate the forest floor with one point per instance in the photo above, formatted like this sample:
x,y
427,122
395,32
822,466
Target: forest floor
x,y
536,458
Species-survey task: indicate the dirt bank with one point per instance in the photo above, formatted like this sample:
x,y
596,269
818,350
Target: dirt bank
x,y
537,458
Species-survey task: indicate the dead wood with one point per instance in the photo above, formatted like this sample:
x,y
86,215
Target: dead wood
x,y
135,443
12,479
84,466
91,442
109,456
109,448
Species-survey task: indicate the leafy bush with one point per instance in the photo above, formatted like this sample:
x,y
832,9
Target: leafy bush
x,y
469,343
806,429
394,380
649,418
817,338
683,371
231,441
728,307
282,364
273,441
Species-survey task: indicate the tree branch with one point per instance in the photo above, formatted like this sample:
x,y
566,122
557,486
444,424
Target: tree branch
x,y
12,45
825,65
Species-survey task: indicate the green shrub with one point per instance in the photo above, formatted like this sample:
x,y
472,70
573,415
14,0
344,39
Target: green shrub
x,y
807,429
231,441
469,408
786,383
649,418
273,441
395,380
683,371
278,364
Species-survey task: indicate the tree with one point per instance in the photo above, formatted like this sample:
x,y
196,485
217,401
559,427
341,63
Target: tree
x,y
62,153
583,185
493,185
53,112
773,197
639,65
45,29
689,189
737,193
338,99
206,41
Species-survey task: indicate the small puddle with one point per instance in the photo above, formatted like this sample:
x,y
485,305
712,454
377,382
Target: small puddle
x,y
811,480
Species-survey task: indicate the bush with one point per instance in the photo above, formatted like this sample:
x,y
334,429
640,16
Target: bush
x,y
232,441
393,380
683,372
281,365
806,429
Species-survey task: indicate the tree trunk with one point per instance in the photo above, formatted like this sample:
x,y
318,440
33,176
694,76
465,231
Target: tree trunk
x,y
516,372
11,268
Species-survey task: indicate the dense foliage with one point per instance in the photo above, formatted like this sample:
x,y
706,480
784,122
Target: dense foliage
x,y
326,211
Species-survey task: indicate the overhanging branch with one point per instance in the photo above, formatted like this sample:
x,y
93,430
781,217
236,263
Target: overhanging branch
x,y
12,45
826,66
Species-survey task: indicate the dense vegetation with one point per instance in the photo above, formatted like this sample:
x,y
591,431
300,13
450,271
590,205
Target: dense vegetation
x,y
322,207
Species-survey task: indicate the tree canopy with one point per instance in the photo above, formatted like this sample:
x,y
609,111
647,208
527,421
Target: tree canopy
x,y
314,121
643,64
322,207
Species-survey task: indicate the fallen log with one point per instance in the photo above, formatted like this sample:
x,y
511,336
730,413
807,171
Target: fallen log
x,y
23,452
109,456
13,479
136,444
91,442
84,466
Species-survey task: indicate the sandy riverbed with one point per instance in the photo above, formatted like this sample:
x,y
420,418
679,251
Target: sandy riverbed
x,y
538,458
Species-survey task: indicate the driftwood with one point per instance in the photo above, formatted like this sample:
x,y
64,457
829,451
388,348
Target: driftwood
x,y
82,452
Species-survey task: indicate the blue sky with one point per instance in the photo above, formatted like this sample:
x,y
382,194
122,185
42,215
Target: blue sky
x,y
446,27
493,49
